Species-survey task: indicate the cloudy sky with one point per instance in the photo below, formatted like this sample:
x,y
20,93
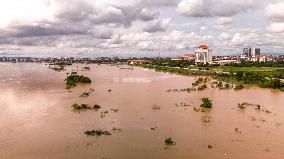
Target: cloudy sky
x,y
138,27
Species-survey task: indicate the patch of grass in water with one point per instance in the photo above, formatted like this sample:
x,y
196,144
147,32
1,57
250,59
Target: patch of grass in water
x,y
169,141
85,94
156,107
80,107
114,110
154,128
242,105
86,68
207,103
96,133
72,80
116,129
202,87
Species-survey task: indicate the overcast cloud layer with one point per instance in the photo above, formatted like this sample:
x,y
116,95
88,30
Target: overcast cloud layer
x,y
138,27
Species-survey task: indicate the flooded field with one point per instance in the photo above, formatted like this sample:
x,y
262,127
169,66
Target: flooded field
x,y
37,120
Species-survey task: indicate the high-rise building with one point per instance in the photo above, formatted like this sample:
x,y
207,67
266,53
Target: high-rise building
x,y
247,52
251,52
203,55
257,51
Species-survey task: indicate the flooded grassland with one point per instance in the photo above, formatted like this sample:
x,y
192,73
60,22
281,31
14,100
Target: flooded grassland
x,y
130,113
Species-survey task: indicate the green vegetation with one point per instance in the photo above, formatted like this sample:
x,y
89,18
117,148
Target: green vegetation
x,y
85,94
198,85
239,87
62,63
169,141
57,68
114,110
257,107
85,107
242,105
181,90
86,68
207,103
182,104
198,81
257,64
170,63
202,87
116,129
72,80
221,85
265,75
96,133
103,113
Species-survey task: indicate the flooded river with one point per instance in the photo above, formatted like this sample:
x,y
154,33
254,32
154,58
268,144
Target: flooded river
x,y
37,120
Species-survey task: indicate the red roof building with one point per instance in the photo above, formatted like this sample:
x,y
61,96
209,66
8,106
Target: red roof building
x,y
188,55
203,47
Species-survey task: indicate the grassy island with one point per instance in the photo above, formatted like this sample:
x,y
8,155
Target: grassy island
x,y
72,80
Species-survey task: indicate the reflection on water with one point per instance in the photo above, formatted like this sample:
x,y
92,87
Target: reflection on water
x,y
141,79
36,119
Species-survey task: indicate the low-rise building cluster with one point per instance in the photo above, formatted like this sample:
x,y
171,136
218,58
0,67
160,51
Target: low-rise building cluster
x,y
203,55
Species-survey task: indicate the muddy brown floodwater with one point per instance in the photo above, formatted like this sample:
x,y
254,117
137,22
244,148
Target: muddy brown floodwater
x,y
37,121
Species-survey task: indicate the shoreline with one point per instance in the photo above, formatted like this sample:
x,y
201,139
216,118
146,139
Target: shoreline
x,y
219,76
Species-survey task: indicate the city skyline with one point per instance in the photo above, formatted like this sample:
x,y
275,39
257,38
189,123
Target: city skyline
x,y
139,27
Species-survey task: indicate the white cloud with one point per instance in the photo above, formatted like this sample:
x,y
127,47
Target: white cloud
x,y
275,11
211,8
224,21
276,27
225,36
203,29
157,25
238,39
104,26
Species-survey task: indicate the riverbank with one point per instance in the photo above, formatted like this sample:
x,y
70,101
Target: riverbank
x,y
264,77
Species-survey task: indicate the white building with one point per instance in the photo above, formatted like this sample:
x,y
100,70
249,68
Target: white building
x,y
203,55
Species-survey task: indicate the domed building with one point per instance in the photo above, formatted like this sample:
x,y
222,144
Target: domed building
x,y
203,55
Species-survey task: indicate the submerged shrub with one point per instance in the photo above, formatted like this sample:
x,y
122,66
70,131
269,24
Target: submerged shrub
x,y
85,107
86,68
169,141
207,103
96,133
85,94
239,87
227,85
73,79
242,105
156,107
200,88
